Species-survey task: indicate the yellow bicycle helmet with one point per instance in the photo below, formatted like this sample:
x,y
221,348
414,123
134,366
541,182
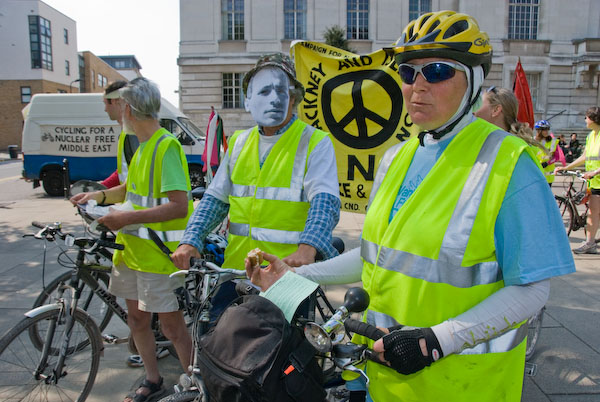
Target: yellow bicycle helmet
x,y
444,34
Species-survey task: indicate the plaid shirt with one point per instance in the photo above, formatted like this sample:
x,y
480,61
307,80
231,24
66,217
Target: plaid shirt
x,y
323,216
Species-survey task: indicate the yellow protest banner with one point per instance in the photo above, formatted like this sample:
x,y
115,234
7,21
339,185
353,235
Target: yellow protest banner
x,y
356,98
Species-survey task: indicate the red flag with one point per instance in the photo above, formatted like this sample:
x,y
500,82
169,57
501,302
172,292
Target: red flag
x,y
521,91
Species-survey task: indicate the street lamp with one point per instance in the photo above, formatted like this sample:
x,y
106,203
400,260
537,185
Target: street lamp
x,y
71,84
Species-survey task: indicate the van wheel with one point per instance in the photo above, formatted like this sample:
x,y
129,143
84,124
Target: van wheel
x,y
196,176
53,183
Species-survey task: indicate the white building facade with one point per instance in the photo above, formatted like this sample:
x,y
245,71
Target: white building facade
x,y
557,41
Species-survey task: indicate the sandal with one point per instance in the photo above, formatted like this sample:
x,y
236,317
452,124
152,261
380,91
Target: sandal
x,y
155,390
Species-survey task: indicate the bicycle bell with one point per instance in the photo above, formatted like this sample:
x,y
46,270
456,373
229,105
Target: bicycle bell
x,y
323,337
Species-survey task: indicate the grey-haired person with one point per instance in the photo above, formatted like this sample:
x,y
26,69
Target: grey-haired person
x,y
158,187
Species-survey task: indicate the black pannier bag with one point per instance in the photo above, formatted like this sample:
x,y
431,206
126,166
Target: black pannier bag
x,y
253,354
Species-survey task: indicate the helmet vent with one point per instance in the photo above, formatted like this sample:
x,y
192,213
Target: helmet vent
x,y
456,28
424,21
433,26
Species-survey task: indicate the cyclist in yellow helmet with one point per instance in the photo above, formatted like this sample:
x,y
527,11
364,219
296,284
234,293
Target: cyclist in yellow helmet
x,y
450,244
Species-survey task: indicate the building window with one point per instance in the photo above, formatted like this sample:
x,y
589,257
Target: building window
x,y
66,35
101,80
67,68
93,79
294,18
533,80
233,97
233,19
120,64
523,19
25,94
357,19
40,40
417,8
62,91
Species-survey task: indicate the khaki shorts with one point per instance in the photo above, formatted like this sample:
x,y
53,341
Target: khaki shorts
x,y
154,292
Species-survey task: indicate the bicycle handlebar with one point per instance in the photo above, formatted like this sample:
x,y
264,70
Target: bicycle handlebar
x,y
49,232
362,328
200,264
575,173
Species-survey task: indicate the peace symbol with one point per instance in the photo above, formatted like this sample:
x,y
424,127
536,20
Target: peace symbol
x,y
359,113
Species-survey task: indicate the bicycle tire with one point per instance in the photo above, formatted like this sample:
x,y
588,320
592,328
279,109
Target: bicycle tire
x,y
534,327
566,212
89,302
185,396
19,359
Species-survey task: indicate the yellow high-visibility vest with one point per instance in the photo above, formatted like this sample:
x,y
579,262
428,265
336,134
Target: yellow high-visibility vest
x,y
436,259
143,190
268,205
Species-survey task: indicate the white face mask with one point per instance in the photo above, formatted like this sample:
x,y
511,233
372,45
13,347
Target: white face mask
x,y
268,97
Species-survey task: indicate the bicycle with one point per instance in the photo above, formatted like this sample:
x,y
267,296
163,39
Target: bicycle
x,y
54,352
326,338
93,279
572,198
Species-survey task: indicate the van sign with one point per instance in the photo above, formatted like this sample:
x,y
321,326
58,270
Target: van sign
x,y
76,140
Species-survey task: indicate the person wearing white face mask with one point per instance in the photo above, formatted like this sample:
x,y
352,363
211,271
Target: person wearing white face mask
x,y
450,244
278,181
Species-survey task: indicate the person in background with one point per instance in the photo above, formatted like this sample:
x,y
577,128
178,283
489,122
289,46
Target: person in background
x,y
446,248
591,158
158,187
552,154
573,148
562,143
127,143
278,181
499,106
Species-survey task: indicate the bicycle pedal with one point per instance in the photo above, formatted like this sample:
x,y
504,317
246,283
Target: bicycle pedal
x,y
530,369
109,338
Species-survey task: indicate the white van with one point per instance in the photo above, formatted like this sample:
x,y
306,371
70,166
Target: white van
x,y
76,127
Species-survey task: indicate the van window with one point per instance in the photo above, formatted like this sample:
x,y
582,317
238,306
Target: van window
x,y
191,127
177,131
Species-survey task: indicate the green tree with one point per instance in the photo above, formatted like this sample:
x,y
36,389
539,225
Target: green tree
x,y
336,36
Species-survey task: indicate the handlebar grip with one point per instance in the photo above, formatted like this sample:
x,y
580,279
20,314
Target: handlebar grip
x,y
362,328
37,224
110,244
374,357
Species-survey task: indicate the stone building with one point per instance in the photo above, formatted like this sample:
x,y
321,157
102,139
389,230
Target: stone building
x,y
557,41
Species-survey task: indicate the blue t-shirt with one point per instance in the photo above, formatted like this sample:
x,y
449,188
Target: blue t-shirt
x,y
531,242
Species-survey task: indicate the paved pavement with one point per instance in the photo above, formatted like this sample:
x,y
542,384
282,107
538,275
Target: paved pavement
x,y
567,358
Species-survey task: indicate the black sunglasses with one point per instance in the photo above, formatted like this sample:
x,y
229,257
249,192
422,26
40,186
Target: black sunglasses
x,y
433,72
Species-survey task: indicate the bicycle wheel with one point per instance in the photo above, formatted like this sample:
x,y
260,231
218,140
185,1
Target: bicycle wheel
x,y
566,211
185,396
534,326
88,301
20,358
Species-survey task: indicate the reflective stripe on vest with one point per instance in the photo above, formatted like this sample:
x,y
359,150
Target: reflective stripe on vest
x,y
447,268
149,201
294,193
592,157
166,236
263,234
122,166
296,190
